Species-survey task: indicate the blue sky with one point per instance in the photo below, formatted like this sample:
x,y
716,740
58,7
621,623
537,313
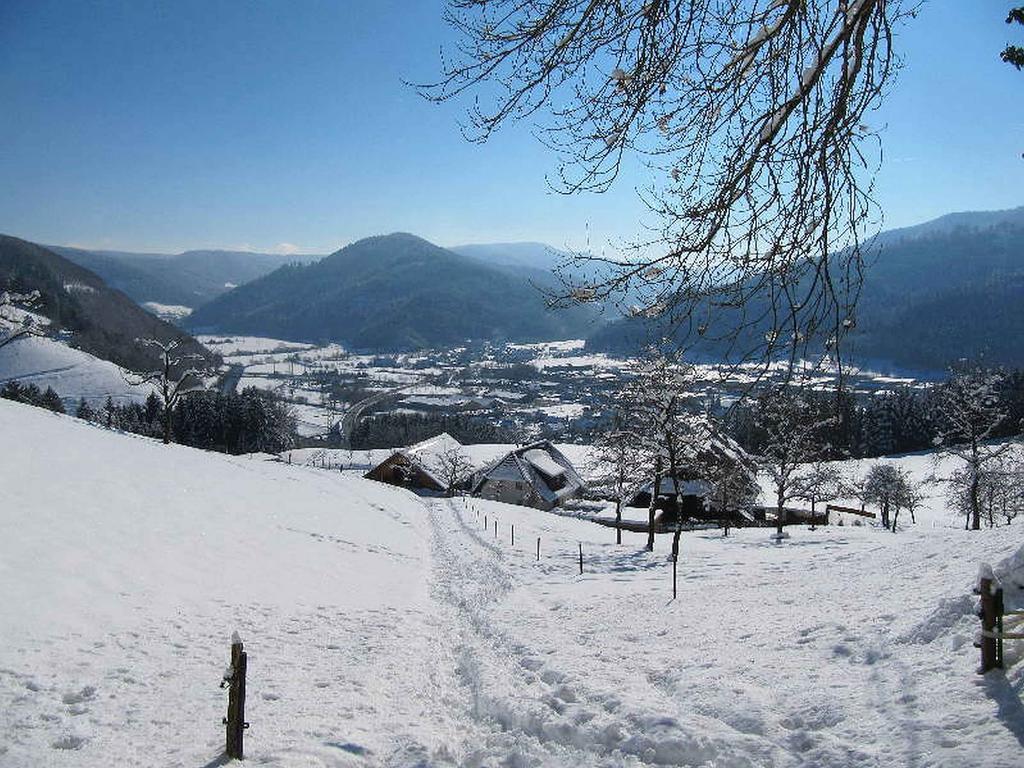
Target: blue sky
x,y
148,126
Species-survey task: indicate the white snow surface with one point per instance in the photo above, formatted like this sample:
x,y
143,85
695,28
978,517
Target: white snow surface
x,y
72,373
169,312
227,344
387,630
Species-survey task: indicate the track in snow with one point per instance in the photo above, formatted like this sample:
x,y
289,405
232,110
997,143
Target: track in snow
x,y
515,709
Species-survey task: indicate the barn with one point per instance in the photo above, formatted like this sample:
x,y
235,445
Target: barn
x,y
420,467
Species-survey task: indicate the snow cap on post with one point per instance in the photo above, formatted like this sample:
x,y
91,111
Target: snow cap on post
x,y
235,639
985,572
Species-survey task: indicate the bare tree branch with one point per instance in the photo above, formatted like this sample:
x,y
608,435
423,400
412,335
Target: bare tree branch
x,y
751,117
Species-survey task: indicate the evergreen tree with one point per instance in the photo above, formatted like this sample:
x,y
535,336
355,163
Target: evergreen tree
x,y
51,400
84,410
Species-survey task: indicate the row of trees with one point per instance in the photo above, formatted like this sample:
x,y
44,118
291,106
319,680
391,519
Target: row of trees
x,y
30,394
384,430
903,420
662,430
967,418
239,422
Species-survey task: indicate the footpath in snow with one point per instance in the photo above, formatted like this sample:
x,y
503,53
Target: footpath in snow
x,y
388,630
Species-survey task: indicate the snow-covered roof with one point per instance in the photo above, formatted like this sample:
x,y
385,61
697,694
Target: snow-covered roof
x,y
668,485
428,455
543,461
536,464
434,446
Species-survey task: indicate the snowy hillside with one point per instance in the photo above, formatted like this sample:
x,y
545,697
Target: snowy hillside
x,y
72,373
386,630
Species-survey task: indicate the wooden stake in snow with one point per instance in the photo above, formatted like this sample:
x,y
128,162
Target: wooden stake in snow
x,y
234,679
581,558
513,535
538,549
495,529
990,612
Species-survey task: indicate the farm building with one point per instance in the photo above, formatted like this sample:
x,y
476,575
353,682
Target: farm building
x,y
428,467
717,484
697,504
536,475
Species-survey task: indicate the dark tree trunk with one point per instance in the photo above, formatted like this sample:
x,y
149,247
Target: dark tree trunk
x,y
651,507
618,520
780,511
975,505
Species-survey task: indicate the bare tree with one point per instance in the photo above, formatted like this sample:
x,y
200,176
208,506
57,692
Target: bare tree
x,y
730,474
792,437
891,489
1000,490
820,481
620,458
968,413
454,468
175,374
16,319
663,420
752,118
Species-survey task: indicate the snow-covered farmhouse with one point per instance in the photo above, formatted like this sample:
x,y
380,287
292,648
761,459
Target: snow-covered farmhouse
x,y
433,466
536,475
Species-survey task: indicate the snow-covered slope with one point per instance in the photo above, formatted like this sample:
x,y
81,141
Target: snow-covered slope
x,y
72,373
125,565
386,630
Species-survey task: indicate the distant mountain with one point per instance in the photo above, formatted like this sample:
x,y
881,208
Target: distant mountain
x,y
99,320
935,293
529,255
187,279
391,292
951,222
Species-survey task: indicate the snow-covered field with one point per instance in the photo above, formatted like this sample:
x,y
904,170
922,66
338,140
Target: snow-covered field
x,y
72,373
384,629
168,312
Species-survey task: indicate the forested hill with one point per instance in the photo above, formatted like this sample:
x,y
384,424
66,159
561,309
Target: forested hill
x,y
189,279
933,294
392,292
98,319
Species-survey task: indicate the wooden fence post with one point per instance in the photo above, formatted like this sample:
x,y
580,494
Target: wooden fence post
x,y
513,534
485,522
990,619
1000,609
581,558
495,529
538,549
234,677
675,569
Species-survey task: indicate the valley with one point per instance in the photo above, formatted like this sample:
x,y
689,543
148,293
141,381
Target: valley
x,y
526,391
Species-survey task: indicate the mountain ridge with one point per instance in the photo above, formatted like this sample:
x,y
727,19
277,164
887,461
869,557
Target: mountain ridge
x,y
394,291
101,320
190,278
